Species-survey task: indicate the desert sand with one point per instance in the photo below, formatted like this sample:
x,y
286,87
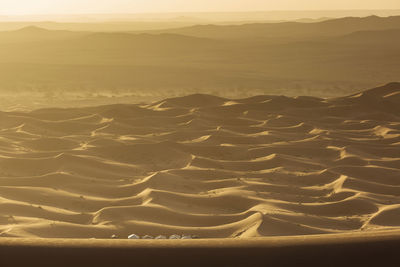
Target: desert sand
x,y
204,165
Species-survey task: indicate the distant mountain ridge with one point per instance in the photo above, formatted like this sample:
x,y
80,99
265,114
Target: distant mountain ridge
x,y
287,31
35,34
373,37
32,30
291,30
143,41
341,55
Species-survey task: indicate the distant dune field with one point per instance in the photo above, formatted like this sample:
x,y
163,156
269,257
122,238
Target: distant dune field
x,y
204,165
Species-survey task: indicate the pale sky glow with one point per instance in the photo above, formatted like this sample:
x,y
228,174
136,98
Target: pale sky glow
x,y
32,7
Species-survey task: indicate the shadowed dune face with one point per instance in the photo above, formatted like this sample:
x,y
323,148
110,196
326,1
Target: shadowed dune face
x,y
203,165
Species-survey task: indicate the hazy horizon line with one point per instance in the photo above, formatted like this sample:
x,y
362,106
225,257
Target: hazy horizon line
x,y
195,12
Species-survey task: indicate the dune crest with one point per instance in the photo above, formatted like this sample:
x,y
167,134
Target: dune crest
x,y
203,165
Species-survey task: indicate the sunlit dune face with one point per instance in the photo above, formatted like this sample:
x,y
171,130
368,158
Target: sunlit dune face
x,y
174,128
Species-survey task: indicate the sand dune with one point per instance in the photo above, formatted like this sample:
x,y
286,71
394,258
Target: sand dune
x,y
204,165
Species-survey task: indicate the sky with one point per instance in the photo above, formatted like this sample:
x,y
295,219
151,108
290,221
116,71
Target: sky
x,y
35,7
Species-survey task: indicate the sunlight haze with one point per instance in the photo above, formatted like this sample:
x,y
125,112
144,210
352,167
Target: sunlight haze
x,y
28,7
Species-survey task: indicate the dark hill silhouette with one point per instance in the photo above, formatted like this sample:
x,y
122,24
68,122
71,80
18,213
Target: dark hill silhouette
x,y
290,30
32,30
143,40
36,34
372,37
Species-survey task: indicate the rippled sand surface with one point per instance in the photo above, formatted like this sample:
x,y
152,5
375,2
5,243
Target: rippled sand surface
x,y
203,165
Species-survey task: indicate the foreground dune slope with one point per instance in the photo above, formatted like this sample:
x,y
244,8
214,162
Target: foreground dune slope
x,y
203,165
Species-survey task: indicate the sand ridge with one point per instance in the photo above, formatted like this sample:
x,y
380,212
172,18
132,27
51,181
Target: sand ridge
x,y
203,165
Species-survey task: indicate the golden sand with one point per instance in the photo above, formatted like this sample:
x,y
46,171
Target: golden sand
x,y
203,165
